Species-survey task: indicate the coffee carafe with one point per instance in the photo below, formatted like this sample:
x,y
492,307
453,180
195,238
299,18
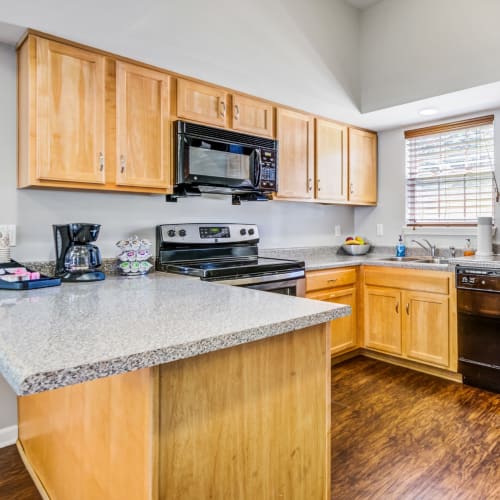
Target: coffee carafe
x,y
76,258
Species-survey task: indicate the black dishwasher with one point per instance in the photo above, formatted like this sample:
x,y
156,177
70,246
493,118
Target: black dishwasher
x,y
478,307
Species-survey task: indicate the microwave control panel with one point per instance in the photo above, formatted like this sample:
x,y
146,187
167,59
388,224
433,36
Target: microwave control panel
x,y
268,170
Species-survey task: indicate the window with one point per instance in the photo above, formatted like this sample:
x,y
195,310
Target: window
x,y
450,173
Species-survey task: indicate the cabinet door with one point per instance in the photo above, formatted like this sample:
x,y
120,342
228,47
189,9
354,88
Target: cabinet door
x,y
331,161
69,110
295,133
201,103
142,127
383,319
253,116
426,327
343,331
362,166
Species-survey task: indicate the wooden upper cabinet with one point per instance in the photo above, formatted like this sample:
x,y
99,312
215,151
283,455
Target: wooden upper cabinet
x,y
142,127
61,114
295,134
202,103
362,167
253,116
331,161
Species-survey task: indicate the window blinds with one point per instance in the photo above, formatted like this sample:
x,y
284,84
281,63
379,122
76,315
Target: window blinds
x,y
450,173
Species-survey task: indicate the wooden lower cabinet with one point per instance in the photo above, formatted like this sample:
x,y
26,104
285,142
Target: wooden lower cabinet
x,y
426,324
383,319
416,320
247,422
338,286
343,331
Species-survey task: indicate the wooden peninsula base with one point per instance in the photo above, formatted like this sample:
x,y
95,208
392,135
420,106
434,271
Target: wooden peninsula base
x,y
244,423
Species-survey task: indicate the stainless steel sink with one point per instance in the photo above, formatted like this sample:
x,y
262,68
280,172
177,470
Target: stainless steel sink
x,y
401,259
433,260
417,260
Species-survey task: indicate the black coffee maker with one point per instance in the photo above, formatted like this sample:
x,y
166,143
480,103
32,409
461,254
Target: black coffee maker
x,y
76,258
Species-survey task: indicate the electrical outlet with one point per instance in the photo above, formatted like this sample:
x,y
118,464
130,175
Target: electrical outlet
x,y
338,230
10,230
380,230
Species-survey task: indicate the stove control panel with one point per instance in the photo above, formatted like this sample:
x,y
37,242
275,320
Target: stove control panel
x,y
216,233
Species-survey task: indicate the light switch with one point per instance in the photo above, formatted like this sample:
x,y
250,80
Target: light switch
x,y
338,230
380,230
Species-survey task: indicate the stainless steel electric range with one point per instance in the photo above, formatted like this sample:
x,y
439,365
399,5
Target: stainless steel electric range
x,y
225,253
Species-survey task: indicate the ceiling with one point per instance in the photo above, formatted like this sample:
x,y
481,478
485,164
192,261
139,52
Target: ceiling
x,y
362,4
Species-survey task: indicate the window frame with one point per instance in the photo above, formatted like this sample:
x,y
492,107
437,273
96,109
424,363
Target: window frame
x,y
442,129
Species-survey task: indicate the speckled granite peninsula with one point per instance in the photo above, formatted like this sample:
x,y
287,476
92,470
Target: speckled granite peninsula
x,y
170,387
65,335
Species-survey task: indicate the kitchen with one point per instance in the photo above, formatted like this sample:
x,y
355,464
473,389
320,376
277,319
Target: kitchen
x,y
321,40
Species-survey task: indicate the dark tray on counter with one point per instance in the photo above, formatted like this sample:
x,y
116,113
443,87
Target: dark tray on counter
x,y
43,282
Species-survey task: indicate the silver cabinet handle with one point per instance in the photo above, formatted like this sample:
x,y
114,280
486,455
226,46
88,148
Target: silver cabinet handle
x,y
317,184
310,187
236,112
123,164
222,109
408,309
333,280
101,162
351,188
397,307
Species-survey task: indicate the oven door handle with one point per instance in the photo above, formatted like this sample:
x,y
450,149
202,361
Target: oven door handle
x,y
255,280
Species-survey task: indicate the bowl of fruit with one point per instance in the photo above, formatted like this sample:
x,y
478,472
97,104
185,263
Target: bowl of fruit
x,y
355,245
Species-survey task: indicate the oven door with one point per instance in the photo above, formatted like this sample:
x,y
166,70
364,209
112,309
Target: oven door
x,y
289,283
296,287
213,162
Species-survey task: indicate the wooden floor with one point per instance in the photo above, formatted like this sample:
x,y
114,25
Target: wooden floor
x,y
397,434
15,483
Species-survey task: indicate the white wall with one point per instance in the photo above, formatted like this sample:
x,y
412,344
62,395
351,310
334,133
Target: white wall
x,y
282,224
390,210
413,49
304,54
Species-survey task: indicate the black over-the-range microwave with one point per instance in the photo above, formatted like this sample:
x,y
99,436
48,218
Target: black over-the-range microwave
x,y
215,160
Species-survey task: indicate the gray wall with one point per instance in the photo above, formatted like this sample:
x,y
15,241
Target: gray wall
x,y
414,49
306,54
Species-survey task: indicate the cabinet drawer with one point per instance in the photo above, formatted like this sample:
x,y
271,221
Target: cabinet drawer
x,y
330,278
409,279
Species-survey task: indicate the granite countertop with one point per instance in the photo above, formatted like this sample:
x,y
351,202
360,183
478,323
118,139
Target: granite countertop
x,y
54,337
492,262
317,258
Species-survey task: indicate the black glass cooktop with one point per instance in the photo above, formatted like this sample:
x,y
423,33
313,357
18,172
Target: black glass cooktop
x,y
232,268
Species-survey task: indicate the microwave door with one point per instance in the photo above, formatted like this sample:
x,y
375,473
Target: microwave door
x,y
210,162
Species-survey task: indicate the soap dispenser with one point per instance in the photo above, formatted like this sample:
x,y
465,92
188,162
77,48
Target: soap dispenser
x,y
400,248
468,250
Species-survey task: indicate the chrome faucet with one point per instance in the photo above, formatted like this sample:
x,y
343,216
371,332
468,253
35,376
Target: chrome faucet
x,y
432,248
